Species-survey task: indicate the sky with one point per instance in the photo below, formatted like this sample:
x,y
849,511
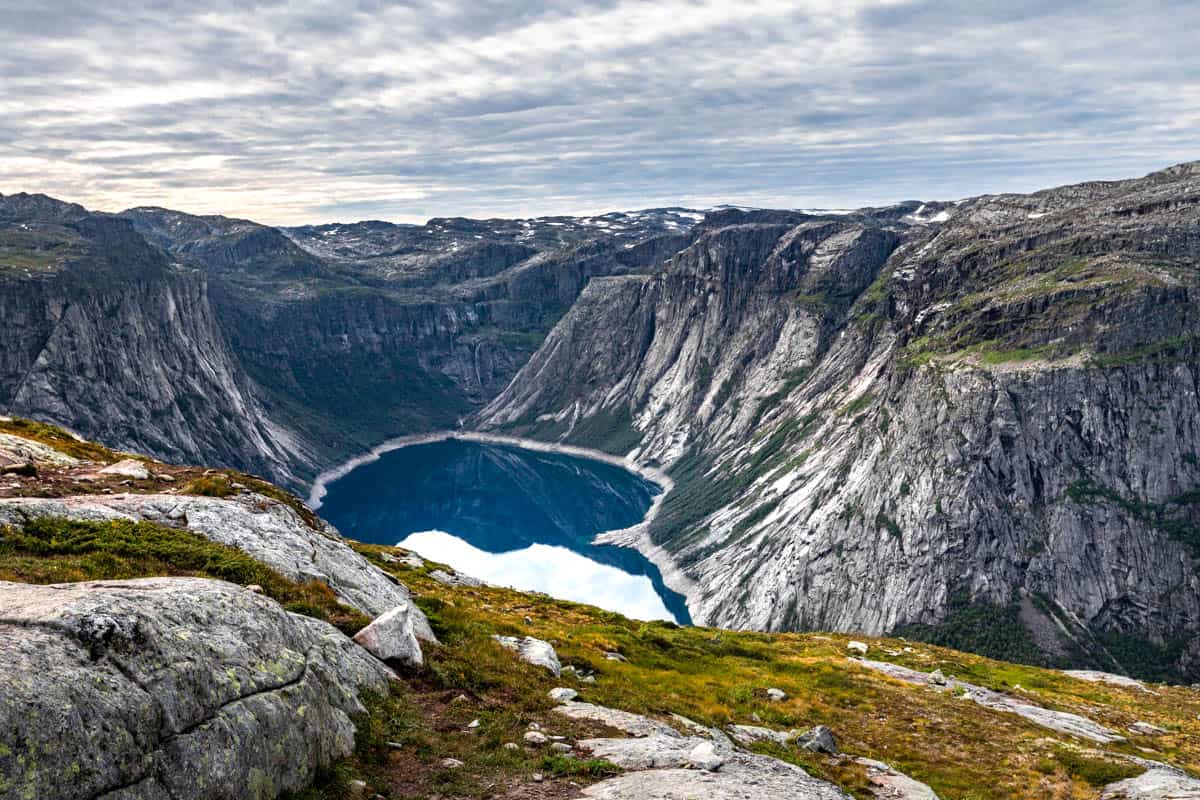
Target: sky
x,y
305,111
555,571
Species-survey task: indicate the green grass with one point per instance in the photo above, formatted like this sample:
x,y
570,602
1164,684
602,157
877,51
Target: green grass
x,y
52,550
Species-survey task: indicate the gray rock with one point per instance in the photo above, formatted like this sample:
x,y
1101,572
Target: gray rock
x,y
170,689
535,738
1146,729
129,468
562,747
20,449
633,724
1095,676
1154,785
455,579
749,734
451,763
936,678
532,651
563,695
391,638
890,784
818,740
267,530
777,695
1061,721
704,756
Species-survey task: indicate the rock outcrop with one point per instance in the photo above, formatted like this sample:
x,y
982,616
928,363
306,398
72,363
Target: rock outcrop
x,y
169,689
266,529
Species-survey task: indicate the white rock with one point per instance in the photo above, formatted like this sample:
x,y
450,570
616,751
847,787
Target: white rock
x,y
1146,729
128,468
391,637
1154,784
857,647
535,737
451,763
633,724
748,734
533,651
777,695
563,695
704,756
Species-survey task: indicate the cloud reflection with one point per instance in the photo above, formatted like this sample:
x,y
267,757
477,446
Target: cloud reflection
x,y
557,571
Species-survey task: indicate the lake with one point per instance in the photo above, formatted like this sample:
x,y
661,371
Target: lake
x,y
509,516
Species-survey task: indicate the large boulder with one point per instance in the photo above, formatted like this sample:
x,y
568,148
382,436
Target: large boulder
x,y
169,688
391,638
533,651
265,529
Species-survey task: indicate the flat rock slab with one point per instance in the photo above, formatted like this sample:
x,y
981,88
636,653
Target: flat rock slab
x,y
633,724
749,734
743,776
266,530
23,449
889,784
1154,784
1061,721
532,651
1095,676
390,637
169,688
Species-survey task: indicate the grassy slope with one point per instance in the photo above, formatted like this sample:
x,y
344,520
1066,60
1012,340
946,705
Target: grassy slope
x,y
716,677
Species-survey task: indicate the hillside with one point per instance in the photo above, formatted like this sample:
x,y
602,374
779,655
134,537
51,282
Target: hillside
x,y
464,717
974,424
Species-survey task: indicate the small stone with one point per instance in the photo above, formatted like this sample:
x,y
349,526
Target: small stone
x,y
511,746
616,657
937,678
458,701
777,695
528,620
818,740
388,558
395,745
537,777
473,724
704,756
535,738
165,478
533,726
451,763
357,788
857,647
254,587
561,747
588,679
563,694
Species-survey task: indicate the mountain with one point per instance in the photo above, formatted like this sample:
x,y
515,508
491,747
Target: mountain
x,y
972,423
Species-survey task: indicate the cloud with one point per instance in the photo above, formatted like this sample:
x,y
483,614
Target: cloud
x,y
556,571
309,111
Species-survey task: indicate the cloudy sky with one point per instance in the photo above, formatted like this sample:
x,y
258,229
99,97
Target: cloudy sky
x,y
306,111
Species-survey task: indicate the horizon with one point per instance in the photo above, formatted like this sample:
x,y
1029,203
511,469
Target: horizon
x,y
311,113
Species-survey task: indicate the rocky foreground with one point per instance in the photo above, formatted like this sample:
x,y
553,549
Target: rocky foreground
x,y
171,632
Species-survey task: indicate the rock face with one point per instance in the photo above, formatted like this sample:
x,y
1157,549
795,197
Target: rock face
x,y
106,336
264,529
883,420
1154,785
169,689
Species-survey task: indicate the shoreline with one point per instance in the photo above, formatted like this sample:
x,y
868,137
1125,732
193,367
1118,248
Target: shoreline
x,y
635,537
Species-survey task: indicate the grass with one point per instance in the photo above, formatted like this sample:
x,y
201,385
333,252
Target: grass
x,y
718,677
59,439
50,550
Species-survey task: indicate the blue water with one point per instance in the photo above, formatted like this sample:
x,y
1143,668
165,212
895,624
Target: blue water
x,y
509,516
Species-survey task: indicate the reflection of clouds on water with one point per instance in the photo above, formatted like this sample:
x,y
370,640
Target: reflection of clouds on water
x,y
557,571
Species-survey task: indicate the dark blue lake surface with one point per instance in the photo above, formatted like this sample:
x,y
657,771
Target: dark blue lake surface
x,y
509,516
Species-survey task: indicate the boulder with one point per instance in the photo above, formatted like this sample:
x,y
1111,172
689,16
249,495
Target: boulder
x,y
1154,784
704,756
818,740
170,688
533,651
535,738
749,734
627,721
777,695
563,695
391,637
127,468
858,648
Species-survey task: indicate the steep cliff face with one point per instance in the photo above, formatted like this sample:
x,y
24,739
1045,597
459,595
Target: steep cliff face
x,y
358,333
990,440
105,336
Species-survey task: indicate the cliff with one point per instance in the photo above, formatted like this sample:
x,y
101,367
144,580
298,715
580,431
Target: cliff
x,y
972,423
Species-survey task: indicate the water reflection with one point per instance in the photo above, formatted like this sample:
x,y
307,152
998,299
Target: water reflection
x,y
557,571
499,499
